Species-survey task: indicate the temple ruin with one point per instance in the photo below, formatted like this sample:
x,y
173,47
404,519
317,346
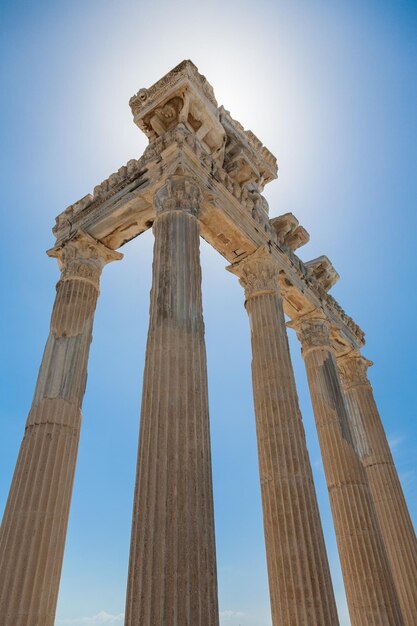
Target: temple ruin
x,y
202,175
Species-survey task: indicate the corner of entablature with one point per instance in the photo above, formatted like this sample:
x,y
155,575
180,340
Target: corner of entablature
x,y
246,160
323,271
289,231
182,96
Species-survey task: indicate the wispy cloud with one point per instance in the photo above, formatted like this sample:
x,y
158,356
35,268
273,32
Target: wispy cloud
x,y
95,620
229,615
107,618
395,441
407,477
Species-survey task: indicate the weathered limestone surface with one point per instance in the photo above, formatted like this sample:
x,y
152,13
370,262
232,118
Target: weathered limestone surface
x,y
180,116
172,571
204,174
392,512
299,577
32,535
370,590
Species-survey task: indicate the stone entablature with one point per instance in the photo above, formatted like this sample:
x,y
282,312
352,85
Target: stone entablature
x,y
323,271
246,159
289,232
258,274
203,174
234,214
185,97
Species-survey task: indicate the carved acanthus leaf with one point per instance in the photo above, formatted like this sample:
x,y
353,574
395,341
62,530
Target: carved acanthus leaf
x,y
82,257
313,331
178,194
353,369
258,273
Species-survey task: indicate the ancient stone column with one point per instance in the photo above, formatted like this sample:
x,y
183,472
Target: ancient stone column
x,y
391,509
370,591
32,536
172,571
299,578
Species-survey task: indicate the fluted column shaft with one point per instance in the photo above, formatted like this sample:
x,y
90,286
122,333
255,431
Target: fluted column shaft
x,y
370,591
299,578
390,505
172,571
33,530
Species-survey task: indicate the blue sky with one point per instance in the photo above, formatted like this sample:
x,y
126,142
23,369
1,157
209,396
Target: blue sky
x,y
330,87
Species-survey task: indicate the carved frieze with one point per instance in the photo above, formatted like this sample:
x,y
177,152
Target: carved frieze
x,y
184,69
134,169
333,305
247,161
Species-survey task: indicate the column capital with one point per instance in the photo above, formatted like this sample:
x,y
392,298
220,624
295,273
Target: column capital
x,y
82,258
258,273
313,331
353,368
179,193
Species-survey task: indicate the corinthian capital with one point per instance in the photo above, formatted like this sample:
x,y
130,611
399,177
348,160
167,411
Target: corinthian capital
x,y
313,331
353,370
178,194
258,273
83,258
